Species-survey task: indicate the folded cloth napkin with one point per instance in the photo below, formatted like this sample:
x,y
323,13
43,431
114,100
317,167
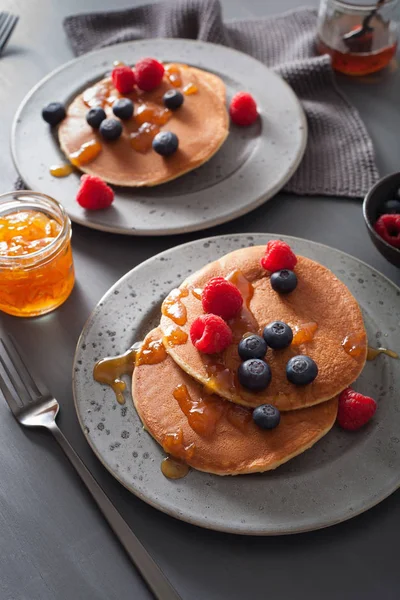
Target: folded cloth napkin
x,y
339,158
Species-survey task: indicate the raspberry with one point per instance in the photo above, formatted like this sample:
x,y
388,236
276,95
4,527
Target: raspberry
x,y
278,256
243,109
210,334
149,73
94,193
123,79
388,227
220,297
355,410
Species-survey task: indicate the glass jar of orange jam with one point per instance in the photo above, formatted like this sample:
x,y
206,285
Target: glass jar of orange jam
x,y
36,265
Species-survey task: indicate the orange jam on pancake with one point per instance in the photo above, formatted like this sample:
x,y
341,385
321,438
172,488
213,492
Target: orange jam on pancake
x,y
101,94
202,415
354,344
86,153
36,267
245,321
190,89
238,417
151,352
173,74
197,293
173,443
142,139
173,308
220,376
304,333
108,371
175,336
61,170
151,113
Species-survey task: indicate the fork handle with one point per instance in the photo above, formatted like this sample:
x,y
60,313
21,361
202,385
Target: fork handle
x,y
150,571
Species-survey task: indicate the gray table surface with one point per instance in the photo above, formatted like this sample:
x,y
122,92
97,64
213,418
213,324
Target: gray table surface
x,y
53,542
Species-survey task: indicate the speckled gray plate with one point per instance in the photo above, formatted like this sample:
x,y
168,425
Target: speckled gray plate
x,y
341,476
251,167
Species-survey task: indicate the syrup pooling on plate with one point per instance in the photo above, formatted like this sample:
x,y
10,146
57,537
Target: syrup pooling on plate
x,y
173,308
61,170
173,469
108,371
86,153
372,353
202,415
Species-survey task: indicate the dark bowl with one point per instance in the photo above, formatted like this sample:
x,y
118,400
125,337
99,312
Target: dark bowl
x,y
384,189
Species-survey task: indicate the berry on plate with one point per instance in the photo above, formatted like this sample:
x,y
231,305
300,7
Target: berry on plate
x,y
301,370
254,374
123,108
95,116
252,346
390,207
110,129
210,334
388,227
173,99
165,143
94,193
283,281
221,298
123,79
53,113
278,335
149,74
278,256
355,410
266,416
243,109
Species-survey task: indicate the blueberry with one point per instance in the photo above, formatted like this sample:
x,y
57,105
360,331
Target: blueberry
x,y
173,99
95,116
266,416
278,335
123,108
390,207
53,113
252,346
284,281
301,370
254,374
110,129
165,143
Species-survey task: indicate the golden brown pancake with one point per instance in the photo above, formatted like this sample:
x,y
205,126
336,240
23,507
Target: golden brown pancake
x,y
201,125
237,445
319,298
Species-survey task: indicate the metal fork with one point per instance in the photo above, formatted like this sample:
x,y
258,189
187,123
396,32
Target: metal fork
x,y
33,406
7,26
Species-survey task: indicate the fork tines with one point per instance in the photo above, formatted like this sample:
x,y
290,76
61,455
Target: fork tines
x,y
7,26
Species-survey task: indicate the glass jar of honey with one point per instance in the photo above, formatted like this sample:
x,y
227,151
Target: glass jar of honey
x,y
36,265
360,36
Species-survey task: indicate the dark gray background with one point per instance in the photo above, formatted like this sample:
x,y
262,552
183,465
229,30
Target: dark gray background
x,y
53,542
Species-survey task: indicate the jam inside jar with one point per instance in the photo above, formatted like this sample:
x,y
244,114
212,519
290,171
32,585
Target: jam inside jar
x,y
36,265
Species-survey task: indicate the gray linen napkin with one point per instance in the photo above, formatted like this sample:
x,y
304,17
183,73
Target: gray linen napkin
x,y
339,159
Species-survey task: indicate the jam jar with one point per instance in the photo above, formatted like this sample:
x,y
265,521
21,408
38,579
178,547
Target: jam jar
x,y
36,265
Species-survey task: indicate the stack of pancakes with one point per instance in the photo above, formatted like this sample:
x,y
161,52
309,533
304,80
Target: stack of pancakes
x,y
235,444
201,124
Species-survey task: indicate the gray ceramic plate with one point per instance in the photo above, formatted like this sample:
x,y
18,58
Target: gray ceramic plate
x,y
252,166
342,476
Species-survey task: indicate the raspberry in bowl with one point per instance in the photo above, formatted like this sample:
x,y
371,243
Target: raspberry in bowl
x,y
381,211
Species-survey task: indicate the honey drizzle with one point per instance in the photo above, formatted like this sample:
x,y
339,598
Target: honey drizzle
x,y
173,308
108,371
61,170
245,321
372,353
86,153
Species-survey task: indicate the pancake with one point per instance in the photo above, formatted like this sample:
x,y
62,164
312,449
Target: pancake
x,y
320,298
237,445
201,125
